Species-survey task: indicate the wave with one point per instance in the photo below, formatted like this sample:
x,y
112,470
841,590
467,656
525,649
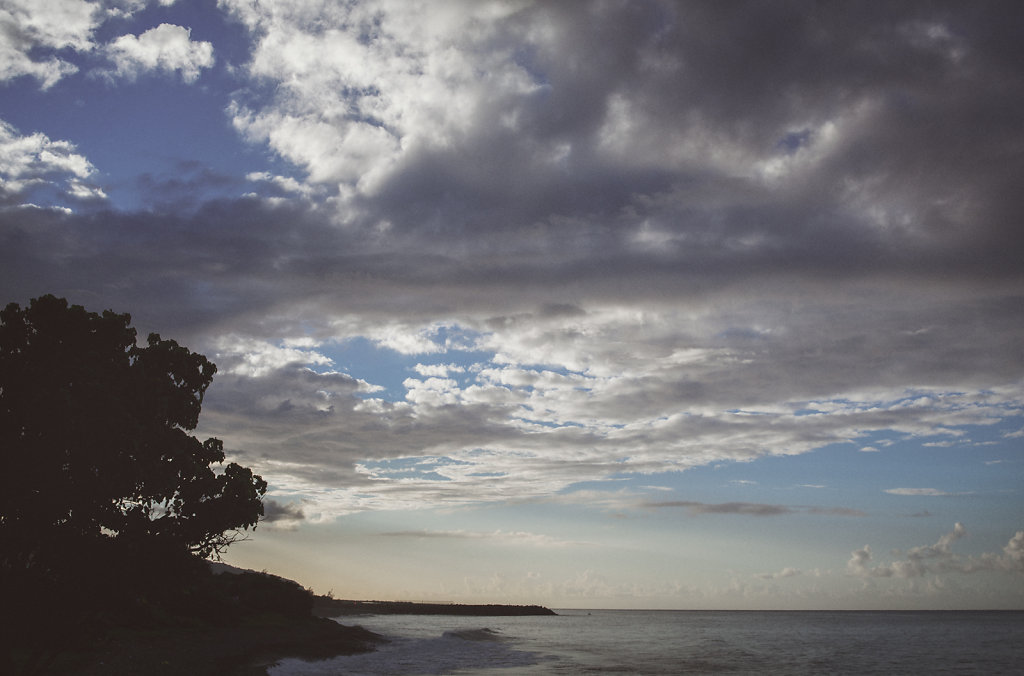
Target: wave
x,y
484,634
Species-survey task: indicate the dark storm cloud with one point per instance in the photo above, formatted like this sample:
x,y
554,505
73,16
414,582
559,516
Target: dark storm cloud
x,y
922,100
186,187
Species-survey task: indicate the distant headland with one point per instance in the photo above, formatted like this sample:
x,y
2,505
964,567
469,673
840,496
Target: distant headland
x,y
328,606
324,606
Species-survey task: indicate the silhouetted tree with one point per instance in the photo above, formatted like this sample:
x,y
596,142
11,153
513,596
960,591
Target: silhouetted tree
x,y
101,482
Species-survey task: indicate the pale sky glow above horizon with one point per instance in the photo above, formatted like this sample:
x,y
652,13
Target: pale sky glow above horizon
x,y
587,304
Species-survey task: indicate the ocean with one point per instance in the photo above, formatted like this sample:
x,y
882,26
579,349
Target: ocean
x,y
687,642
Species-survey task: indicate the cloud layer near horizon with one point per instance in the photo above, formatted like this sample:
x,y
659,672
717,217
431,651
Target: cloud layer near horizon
x,y
645,236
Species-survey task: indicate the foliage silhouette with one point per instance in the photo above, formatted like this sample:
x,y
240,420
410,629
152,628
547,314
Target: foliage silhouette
x,y
107,501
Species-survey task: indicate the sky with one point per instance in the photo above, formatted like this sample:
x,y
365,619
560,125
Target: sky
x,y
586,304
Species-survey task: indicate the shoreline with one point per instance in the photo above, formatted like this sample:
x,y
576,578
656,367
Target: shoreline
x,y
252,644
241,624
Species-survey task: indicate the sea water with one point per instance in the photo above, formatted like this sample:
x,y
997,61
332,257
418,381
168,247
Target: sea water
x,y
687,642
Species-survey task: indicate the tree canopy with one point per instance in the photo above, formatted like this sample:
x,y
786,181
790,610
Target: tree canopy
x,y
94,435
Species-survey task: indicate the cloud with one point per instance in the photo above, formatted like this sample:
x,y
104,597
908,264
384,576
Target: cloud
x,y
246,356
562,399
166,48
940,558
498,536
35,33
744,508
659,247
782,574
480,107
940,548
1013,553
438,370
49,40
835,511
393,80
752,509
932,492
281,515
36,164
284,185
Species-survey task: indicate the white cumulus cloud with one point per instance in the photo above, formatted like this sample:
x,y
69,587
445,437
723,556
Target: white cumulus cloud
x,y
34,30
167,48
939,558
35,161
